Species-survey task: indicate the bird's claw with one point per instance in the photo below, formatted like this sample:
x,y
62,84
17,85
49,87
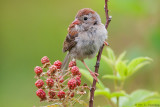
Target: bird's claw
x,y
94,75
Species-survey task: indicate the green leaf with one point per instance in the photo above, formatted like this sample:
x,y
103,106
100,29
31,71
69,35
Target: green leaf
x,y
88,76
105,106
121,68
118,94
105,92
107,60
152,103
111,77
138,96
121,56
111,54
137,63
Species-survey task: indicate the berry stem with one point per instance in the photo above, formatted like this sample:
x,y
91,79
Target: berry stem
x,y
65,74
108,19
66,80
58,83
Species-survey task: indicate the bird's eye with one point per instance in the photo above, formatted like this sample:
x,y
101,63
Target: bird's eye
x,y
85,18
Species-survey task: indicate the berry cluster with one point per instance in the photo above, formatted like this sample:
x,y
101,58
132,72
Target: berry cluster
x,y
62,87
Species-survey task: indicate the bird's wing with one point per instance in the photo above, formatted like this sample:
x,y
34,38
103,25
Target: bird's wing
x,y
70,42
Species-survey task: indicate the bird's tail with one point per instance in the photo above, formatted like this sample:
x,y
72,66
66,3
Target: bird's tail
x,y
65,63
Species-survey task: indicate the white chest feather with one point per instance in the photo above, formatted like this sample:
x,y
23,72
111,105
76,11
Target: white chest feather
x,y
89,42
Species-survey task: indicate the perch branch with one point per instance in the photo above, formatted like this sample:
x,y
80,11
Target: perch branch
x,y
108,19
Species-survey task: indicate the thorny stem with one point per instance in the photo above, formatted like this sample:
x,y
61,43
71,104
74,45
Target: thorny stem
x,y
108,19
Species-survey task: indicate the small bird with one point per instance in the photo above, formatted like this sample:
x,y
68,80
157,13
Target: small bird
x,y
86,34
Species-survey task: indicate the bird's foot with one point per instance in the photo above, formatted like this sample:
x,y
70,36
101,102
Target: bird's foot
x,y
94,75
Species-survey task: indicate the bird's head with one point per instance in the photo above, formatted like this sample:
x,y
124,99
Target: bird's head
x,y
86,18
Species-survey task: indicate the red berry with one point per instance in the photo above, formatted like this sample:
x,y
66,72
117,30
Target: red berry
x,y
79,74
44,60
50,82
72,84
41,94
48,73
38,70
61,79
75,70
61,94
72,63
51,93
78,80
58,64
71,95
52,69
39,83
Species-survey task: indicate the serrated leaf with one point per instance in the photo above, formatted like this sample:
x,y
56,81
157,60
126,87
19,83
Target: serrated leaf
x,y
153,102
138,96
88,76
111,77
107,60
121,56
104,92
121,68
111,54
118,94
137,63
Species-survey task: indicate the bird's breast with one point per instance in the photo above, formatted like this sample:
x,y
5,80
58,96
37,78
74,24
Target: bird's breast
x,y
88,44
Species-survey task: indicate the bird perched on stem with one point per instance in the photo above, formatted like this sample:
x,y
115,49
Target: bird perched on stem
x,y
86,34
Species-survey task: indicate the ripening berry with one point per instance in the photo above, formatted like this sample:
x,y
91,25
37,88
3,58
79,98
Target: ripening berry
x,y
72,63
72,84
41,94
75,70
50,82
48,73
61,94
52,69
44,60
71,95
61,79
78,80
38,70
79,74
39,83
51,93
58,64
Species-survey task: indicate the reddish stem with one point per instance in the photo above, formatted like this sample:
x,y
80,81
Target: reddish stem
x,y
99,58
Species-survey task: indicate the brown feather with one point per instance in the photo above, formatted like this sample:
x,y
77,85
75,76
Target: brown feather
x,y
85,11
70,42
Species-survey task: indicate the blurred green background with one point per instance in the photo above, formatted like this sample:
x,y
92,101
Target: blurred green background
x,y
31,29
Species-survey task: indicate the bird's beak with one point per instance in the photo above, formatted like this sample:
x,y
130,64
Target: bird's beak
x,y
76,22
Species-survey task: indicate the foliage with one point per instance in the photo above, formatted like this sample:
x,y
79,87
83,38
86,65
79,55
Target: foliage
x,y
123,69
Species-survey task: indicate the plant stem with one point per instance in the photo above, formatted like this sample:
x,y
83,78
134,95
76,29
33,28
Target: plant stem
x,y
122,84
110,102
99,57
117,101
115,81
